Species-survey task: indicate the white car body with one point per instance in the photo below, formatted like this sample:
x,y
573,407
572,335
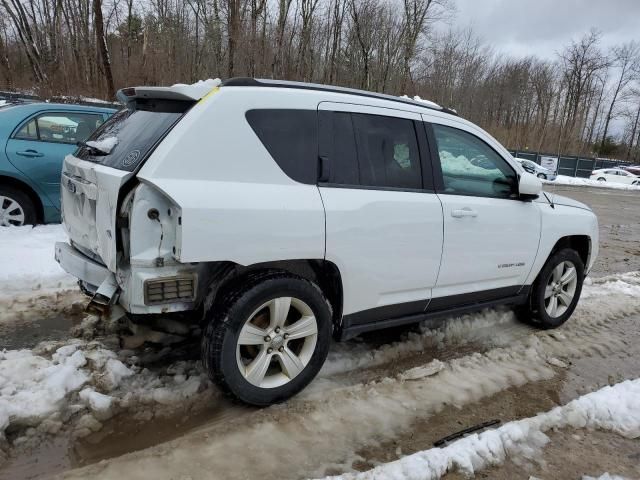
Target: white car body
x,y
615,175
210,198
537,170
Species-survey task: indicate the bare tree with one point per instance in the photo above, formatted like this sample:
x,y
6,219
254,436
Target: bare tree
x,y
625,59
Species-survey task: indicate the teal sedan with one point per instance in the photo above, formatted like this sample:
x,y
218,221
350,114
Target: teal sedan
x,y
35,138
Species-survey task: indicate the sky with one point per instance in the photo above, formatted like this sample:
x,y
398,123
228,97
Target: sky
x,y
544,27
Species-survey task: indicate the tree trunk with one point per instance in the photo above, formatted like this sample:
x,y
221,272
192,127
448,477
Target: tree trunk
x,y
102,48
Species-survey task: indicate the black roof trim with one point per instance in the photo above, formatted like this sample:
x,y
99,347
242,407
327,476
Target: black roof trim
x,y
253,82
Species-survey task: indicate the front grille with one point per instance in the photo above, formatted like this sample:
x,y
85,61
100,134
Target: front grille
x,y
170,289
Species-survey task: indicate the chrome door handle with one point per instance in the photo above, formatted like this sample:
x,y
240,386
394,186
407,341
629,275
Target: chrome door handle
x,y
30,153
464,212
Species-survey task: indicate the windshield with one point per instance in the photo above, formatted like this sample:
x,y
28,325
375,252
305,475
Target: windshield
x,y
131,135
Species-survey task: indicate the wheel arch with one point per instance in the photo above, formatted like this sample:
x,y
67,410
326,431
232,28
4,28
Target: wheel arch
x,y
6,180
579,243
323,273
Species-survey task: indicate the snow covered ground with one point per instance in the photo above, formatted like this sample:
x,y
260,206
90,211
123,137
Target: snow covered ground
x,y
28,264
615,408
587,182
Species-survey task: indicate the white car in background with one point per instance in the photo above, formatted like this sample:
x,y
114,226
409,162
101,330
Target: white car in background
x,y
537,170
616,175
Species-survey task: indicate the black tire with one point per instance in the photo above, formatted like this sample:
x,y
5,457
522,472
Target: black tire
x,y
542,176
228,315
602,179
536,310
22,199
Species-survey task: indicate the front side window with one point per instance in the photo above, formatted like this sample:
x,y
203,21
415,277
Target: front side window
x,y
388,154
68,127
291,137
471,167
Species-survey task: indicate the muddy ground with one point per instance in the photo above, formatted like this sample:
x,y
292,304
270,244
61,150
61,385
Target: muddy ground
x,y
377,399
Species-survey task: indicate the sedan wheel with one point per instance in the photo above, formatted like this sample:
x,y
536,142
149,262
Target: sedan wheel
x,y
11,212
542,176
561,289
602,179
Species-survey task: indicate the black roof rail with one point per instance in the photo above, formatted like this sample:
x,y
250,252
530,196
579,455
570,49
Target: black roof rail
x,y
255,82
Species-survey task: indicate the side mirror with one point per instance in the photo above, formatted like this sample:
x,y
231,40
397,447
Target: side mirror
x,y
529,186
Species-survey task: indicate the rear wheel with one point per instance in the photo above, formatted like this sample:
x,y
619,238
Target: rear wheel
x,y
602,179
267,338
16,208
542,176
557,289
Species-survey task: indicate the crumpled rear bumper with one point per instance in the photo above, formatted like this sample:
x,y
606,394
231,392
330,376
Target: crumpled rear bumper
x,y
79,265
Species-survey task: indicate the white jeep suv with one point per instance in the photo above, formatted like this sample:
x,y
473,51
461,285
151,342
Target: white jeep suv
x,y
277,214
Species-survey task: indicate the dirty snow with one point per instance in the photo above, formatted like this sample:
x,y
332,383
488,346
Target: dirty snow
x,y
347,408
615,408
105,145
57,382
28,263
587,182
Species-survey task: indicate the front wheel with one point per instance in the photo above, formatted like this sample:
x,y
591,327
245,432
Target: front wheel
x,y
557,289
542,176
267,338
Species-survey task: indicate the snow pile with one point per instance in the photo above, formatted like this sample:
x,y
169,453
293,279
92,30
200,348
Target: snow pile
x,y
614,408
105,145
28,262
53,383
587,182
417,98
198,89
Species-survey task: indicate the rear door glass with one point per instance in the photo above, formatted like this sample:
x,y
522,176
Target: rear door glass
x,y
137,133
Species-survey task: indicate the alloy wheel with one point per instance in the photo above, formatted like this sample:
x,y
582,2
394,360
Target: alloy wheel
x,y
277,342
11,212
560,289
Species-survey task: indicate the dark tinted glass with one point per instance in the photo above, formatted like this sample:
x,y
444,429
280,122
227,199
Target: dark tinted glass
x,y
137,131
388,153
338,147
291,137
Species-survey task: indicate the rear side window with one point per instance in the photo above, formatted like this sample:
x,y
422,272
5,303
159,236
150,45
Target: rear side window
x,y
137,133
60,127
388,153
291,137
370,150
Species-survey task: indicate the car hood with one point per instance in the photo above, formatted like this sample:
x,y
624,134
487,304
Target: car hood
x,y
565,201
